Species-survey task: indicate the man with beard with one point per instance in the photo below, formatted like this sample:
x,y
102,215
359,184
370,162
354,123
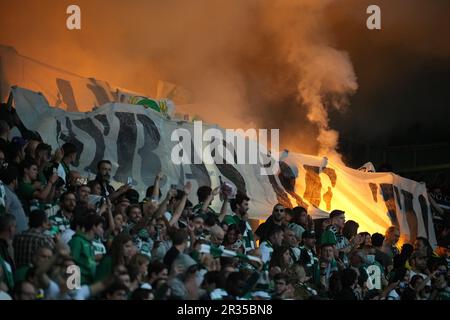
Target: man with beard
x,y
64,216
240,206
104,168
277,218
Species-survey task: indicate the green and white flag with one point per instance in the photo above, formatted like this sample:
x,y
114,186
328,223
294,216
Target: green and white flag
x,y
217,252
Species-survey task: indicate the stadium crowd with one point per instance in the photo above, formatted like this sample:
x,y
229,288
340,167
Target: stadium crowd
x,y
63,237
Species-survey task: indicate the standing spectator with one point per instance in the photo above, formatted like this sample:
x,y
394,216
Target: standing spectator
x,y
292,241
418,263
333,235
277,218
327,264
28,242
69,156
239,206
422,244
10,178
64,216
104,168
179,240
42,156
28,190
82,249
380,256
274,239
308,256
390,241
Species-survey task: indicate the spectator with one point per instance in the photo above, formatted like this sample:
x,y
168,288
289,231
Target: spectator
x,y
25,290
350,229
277,218
380,256
333,235
82,249
308,257
281,260
70,153
28,242
327,264
418,263
42,156
390,241
422,244
239,206
121,252
292,241
179,240
64,216
28,191
274,239
10,178
104,168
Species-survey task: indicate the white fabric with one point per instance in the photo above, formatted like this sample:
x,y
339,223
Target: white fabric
x,y
319,185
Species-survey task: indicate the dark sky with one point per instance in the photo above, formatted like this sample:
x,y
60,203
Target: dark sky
x,y
403,73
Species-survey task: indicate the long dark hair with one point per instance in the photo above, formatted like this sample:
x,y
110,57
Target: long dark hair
x,y
116,251
277,259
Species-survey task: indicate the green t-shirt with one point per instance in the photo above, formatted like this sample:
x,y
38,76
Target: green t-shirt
x,y
247,237
82,252
25,194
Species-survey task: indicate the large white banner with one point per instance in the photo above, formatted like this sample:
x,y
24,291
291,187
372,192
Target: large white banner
x,y
138,142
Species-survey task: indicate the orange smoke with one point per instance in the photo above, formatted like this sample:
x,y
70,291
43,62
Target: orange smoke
x,y
252,63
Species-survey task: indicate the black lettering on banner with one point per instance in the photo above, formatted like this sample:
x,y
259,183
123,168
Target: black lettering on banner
x,y
68,97
387,191
104,121
327,198
282,197
374,188
313,185
230,172
99,92
126,144
411,217
397,196
151,164
71,137
424,208
88,126
331,173
287,179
